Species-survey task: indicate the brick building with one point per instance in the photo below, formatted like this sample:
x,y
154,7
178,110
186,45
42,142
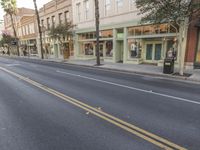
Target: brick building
x,y
17,18
28,33
51,14
192,57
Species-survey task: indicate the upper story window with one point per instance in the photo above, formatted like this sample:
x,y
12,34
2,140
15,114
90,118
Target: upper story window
x,y
32,28
25,31
28,29
119,4
67,16
20,32
60,17
86,2
53,21
107,6
42,23
48,23
150,29
78,8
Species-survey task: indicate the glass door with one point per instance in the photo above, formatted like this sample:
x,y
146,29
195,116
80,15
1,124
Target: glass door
x,y
149,51
158,50
153,52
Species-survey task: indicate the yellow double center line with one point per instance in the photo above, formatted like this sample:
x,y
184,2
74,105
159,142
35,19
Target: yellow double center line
x,y
152,138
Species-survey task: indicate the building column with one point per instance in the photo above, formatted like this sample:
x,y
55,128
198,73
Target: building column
x,y
104,49
59,50
114,44
38,47
94,49
125,56
76,46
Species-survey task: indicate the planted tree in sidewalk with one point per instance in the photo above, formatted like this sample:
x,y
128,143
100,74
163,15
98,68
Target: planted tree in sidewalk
x,y
174,12
6,41
10,8
97,31
62,32
39,28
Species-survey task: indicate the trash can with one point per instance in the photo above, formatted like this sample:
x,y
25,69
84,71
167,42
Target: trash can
x,y
168,67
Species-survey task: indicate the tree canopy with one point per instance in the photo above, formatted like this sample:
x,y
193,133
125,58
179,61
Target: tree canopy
x,y
9,6
61,30
7,39
158,11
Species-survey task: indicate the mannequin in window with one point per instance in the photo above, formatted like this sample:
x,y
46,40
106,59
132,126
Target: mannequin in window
x,y
134,50
170,53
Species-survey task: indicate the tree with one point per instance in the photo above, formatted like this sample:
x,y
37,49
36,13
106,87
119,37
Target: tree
x,y
10,7
39,28
176,13
62,31
97,32
6,41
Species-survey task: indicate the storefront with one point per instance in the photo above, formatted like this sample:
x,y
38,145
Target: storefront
x,y
151,43
87,45
54,49
28,47
134,45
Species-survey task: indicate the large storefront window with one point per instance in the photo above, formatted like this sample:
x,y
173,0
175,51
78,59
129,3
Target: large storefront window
x,y
92,35
89,49
109,48
172,49
134,48
106,34
150,29
84,36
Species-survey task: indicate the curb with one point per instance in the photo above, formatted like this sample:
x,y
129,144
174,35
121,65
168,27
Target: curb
x,y
166,76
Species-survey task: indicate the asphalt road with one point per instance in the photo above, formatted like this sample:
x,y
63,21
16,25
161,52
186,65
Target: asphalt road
x,y
34,118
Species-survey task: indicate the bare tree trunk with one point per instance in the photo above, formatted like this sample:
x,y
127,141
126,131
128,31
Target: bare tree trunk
x,y
97,32
39,28
15,33
182,46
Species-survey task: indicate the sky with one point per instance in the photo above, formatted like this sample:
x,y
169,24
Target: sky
x,y
27,4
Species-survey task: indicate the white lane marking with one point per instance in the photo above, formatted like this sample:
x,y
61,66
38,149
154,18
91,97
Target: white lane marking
x,y
12,65
132,88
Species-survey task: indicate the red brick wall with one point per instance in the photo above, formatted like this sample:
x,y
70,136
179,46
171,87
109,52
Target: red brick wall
x,y
191,42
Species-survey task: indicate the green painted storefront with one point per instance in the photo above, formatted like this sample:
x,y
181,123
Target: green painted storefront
x,y
127,43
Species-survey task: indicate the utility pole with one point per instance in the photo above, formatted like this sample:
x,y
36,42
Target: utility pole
x,y
97,32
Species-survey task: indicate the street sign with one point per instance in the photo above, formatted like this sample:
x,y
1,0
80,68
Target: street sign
x,y
13,42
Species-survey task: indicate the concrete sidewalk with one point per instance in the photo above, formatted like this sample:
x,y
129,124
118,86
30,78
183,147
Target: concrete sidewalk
x,y
144,69
139,69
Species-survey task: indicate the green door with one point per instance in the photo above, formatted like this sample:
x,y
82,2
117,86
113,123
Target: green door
x,y
158,49
149,50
